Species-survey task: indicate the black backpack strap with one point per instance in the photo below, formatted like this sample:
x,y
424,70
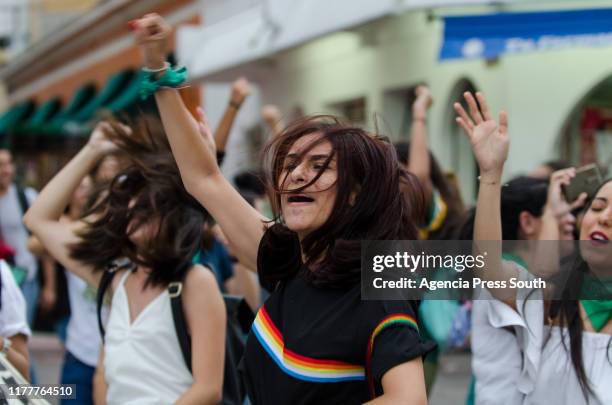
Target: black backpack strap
x,y
24,204
175,291
105,282
239,316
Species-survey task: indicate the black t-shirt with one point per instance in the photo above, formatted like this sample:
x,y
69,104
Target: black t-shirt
x,y
312,345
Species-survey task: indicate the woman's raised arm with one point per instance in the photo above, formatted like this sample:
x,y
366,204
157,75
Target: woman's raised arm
x,y
489,141
419,162
194,150
43,217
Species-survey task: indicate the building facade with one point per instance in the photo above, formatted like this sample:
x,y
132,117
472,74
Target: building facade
x,y
58,87
367,69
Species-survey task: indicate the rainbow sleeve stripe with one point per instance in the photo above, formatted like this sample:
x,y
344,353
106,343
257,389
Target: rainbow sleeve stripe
x,y
391,320
297,366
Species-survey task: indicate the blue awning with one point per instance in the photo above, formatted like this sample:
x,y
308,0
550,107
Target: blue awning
x,y
492,35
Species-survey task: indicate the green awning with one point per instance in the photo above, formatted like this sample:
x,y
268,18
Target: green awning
x,y
45,112
80,98
129,95
120,92
111,90
11,118
40,117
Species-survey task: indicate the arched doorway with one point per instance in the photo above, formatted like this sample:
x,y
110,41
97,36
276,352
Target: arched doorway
x,y
586,136
461,159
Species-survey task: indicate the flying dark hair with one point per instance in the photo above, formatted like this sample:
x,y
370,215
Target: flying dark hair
x,y
149,190
375,199
448,191
518,195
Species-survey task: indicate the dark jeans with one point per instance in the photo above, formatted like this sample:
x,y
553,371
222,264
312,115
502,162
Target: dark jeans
x,y
78,373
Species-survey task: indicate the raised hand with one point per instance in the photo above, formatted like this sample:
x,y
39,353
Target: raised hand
x,y
489,138
101,138
241,88
558,206
152,34
270,113
422,102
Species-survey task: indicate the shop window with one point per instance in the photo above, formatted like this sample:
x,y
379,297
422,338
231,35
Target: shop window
x,y
397,112
463,166
352,110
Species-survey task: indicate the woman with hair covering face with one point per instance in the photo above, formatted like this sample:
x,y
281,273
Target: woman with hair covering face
x,y
147,217
332,185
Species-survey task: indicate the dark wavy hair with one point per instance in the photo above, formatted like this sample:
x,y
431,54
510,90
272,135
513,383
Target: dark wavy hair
x,y
375,200
150,189
521,194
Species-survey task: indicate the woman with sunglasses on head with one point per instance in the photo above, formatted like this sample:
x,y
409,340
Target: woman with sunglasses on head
x,y
332,185
147,218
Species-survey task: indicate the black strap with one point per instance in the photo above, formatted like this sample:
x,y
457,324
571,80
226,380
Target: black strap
x,y
105,282
24,204
23,199
175,290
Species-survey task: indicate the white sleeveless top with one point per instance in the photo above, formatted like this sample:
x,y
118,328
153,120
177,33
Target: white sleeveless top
x,y
143,361
83,337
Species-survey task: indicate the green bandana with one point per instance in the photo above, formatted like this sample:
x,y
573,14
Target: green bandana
x,y
598,310
149,84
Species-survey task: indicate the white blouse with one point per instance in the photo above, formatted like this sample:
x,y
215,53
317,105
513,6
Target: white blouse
x,y
143,361
532,366
13,309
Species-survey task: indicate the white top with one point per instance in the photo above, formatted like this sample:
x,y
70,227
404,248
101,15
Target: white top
x,y
83,336
143,361
14,231
13,309
496,356
546,374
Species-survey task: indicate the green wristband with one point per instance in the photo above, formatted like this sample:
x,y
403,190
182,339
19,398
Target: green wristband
x,y
171,78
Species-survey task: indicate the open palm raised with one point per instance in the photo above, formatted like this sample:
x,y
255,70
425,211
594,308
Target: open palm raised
x,y
489,138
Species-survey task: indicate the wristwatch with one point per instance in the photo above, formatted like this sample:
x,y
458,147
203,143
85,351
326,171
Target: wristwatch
x,y
6,345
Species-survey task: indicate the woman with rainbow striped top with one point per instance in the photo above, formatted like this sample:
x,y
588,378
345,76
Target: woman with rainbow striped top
x,y
332,185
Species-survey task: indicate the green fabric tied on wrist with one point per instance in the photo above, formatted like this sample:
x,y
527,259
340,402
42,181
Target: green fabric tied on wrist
x,y
171,78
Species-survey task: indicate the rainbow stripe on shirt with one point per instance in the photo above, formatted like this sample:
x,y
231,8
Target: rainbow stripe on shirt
x,y
391,320
298,366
